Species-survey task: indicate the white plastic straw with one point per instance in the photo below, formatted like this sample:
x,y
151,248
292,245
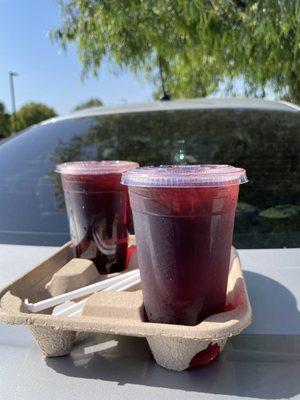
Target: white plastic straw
x,y
71,308
76,309
76,313
126,283
84,291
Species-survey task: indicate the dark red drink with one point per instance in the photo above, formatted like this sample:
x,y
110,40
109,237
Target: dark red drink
x,y
98,210
183,218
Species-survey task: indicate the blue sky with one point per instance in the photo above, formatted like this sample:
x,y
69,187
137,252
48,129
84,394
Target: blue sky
x,y
46,74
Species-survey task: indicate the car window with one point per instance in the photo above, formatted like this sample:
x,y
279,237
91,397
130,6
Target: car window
x,y
265,142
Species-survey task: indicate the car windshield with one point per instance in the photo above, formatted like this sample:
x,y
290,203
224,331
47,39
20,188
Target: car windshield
x,y
263,141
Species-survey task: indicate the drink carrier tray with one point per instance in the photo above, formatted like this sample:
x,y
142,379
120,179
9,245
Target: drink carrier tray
x,y
175,347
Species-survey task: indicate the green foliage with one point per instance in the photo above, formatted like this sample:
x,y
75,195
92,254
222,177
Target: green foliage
x,y
281,211
198,43
245,208
93,102
4,122
30,114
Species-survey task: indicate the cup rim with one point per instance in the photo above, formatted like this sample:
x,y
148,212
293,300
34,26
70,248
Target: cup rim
x,y
94,167
198,175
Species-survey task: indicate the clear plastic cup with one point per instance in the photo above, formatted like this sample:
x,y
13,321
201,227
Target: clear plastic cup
x,y
98,211
183,219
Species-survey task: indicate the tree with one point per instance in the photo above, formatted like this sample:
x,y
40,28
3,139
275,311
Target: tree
x,y
30,114
4,122
93,102
191,46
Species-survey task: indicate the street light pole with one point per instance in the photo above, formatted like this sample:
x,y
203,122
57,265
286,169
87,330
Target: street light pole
x,y
12,90
12,95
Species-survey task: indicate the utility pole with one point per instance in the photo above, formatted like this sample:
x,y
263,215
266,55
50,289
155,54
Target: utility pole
x,y
13,99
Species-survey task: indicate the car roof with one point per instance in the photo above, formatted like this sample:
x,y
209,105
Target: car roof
x,y
192,104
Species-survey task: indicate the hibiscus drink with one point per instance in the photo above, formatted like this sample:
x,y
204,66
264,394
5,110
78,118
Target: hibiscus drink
x,y
98,211
183,218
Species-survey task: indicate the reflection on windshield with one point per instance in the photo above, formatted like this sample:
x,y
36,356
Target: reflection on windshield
x,y
266,143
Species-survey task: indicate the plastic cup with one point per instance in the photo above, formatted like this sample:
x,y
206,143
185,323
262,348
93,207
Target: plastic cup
x,y
183,218
98,210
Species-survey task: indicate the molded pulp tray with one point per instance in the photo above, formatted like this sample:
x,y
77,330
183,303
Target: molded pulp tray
x,y
174,347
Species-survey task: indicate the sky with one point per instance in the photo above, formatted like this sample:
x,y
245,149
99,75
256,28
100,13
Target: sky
x,y
45,73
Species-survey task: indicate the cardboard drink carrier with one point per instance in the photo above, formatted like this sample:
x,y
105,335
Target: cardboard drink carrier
x,y
175,347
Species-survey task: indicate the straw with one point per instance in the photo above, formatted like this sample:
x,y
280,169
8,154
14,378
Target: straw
x,y
74,294
126,283
75,309
71,308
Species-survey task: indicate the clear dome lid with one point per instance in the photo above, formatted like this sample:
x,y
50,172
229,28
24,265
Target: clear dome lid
x,y
95,167
185,176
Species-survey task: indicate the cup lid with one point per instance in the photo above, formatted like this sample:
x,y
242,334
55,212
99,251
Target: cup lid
x,y
185,176
95,167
